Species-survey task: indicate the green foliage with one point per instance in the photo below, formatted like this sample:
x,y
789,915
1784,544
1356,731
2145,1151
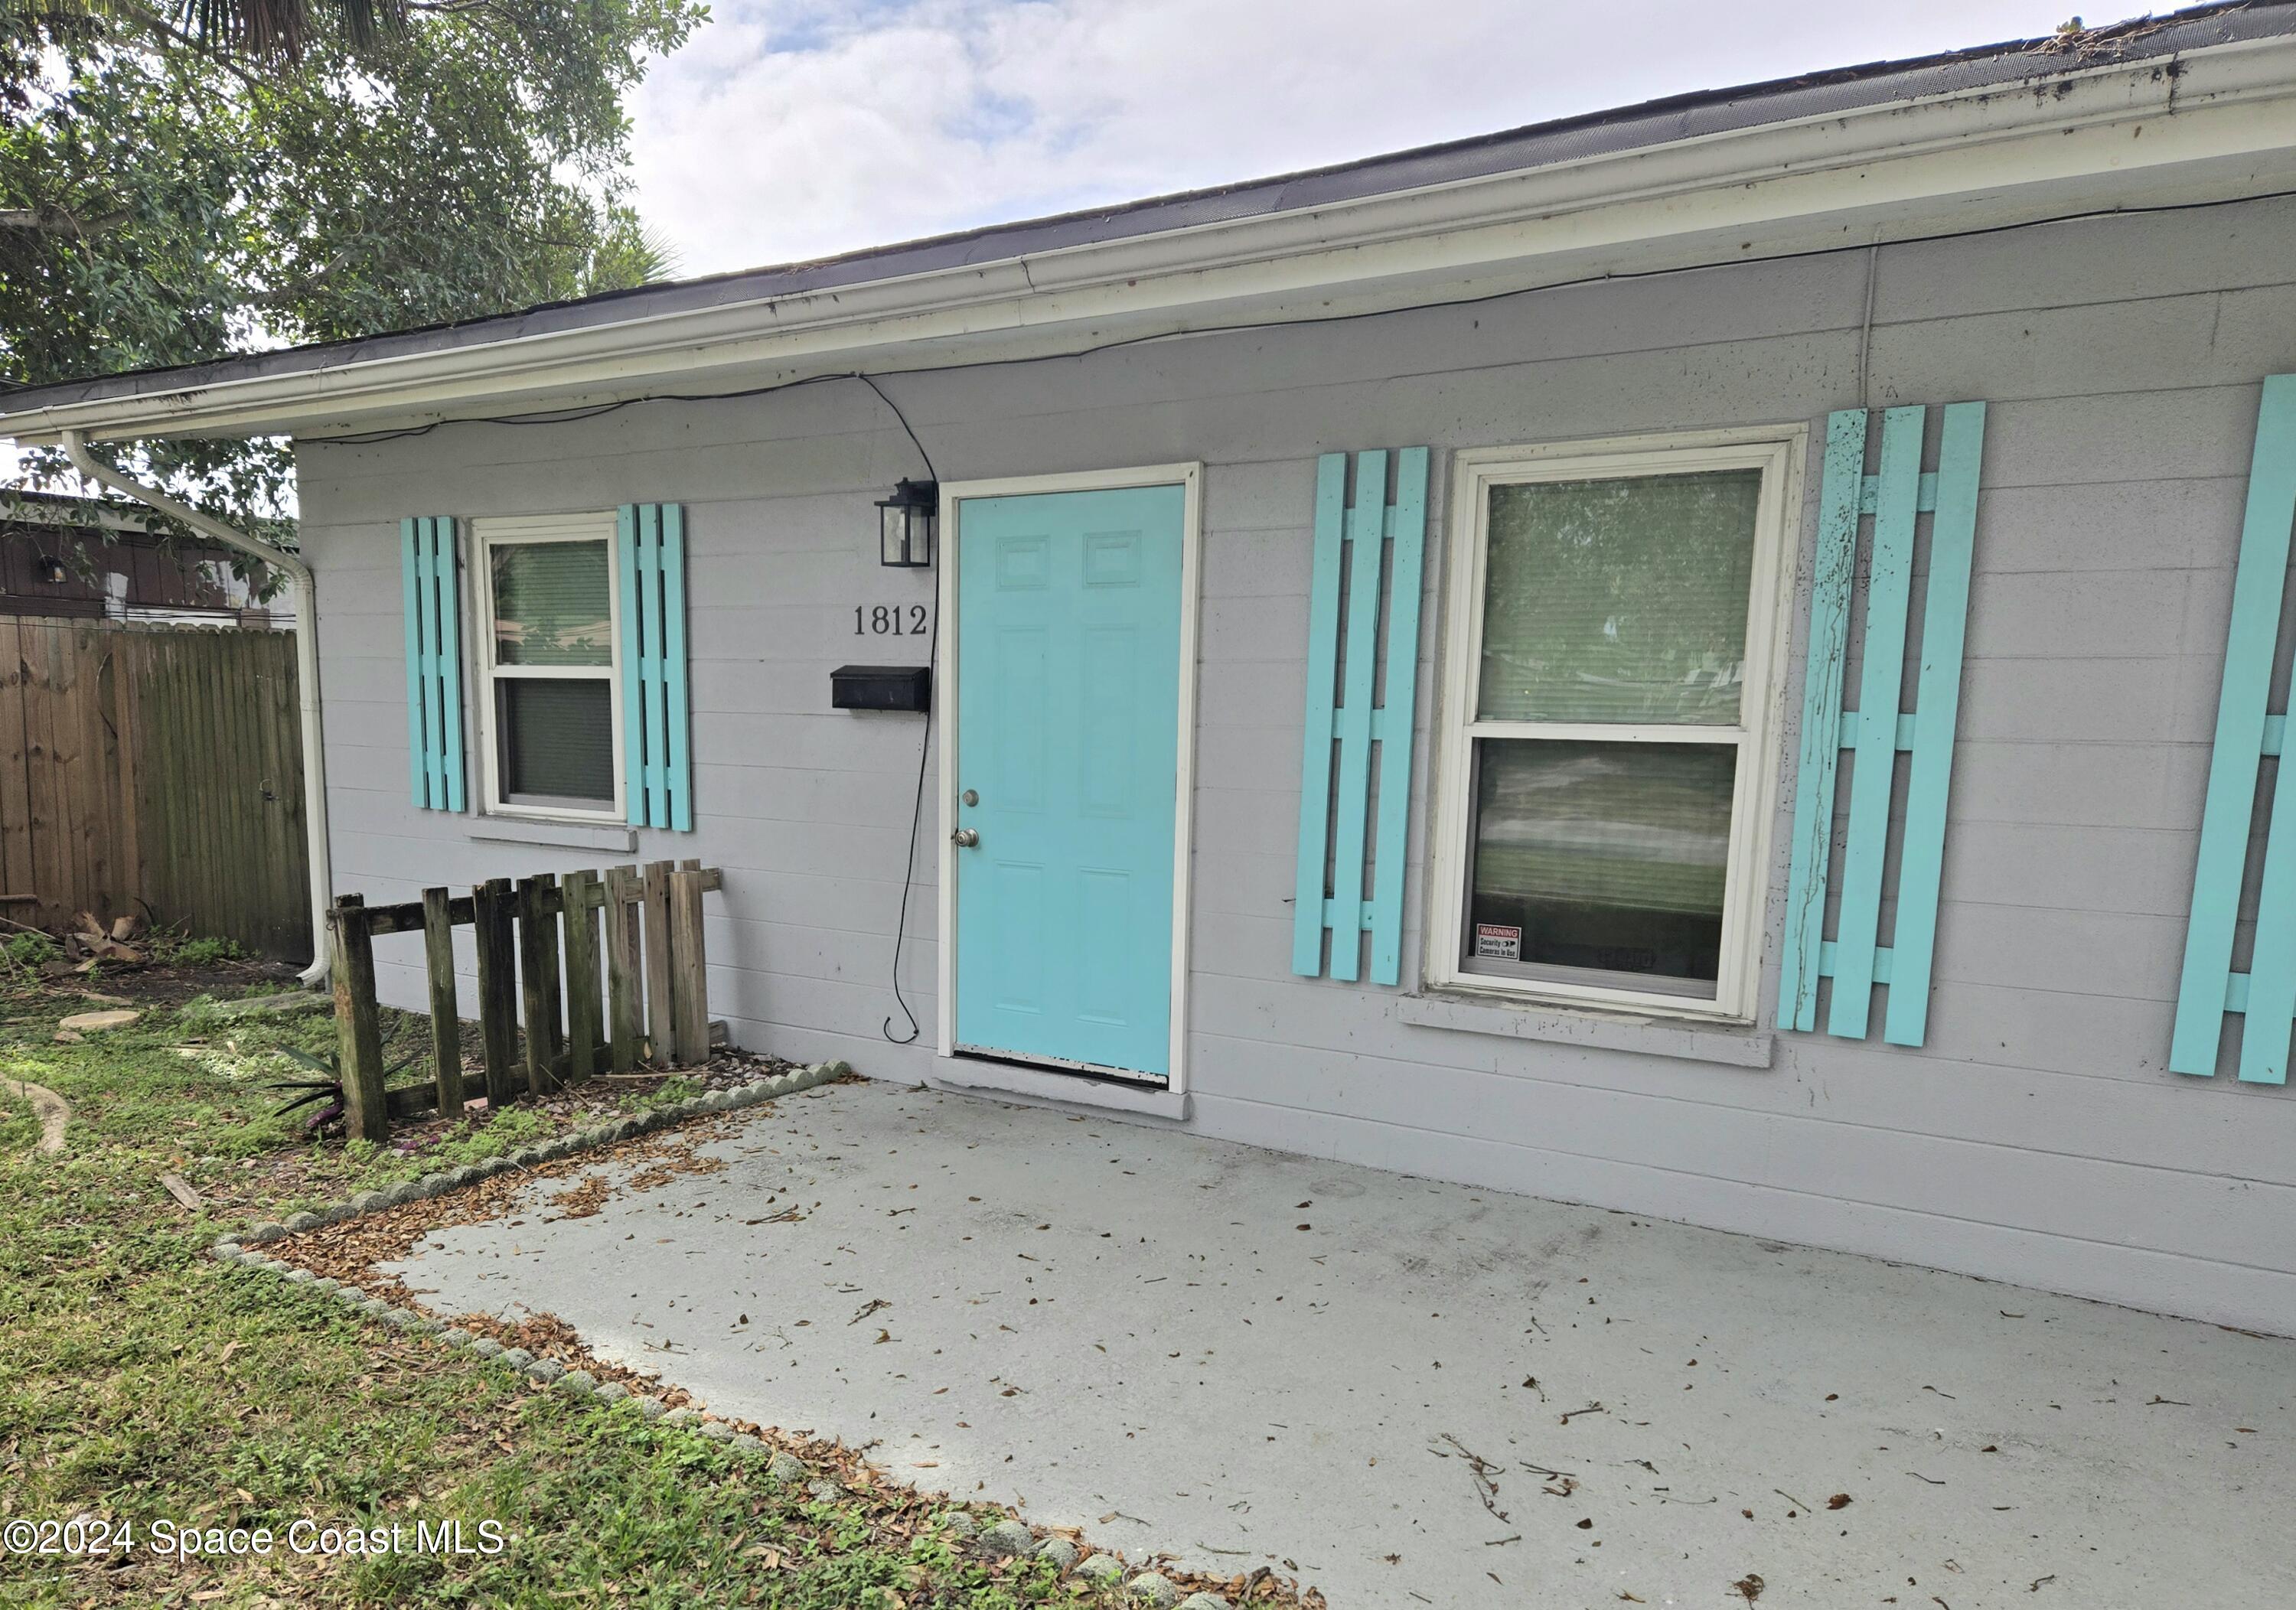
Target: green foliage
x,y
503,1132
253,29
161,204
178,951
32,950
677,1088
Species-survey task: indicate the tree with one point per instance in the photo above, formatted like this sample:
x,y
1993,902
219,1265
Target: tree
x,y
257,29
171,193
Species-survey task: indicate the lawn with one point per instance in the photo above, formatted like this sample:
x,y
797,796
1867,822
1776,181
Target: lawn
x,y
141,1382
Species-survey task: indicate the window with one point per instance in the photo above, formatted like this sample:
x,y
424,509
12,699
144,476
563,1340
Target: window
x,y
550,707
1606,780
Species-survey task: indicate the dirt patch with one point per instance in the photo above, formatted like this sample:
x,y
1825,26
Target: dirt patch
x,y
164,984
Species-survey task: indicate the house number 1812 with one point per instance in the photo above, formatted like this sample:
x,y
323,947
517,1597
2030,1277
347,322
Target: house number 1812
x,y
887,620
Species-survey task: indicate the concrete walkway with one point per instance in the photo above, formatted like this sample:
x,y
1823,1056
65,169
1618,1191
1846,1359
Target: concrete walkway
x,y
1411,1393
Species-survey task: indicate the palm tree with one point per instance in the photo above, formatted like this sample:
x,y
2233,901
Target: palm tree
x,y
279,27
252,29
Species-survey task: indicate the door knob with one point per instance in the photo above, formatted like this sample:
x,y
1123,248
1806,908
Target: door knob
x,y
964,839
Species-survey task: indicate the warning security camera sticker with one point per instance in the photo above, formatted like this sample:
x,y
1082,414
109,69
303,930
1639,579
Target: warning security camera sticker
x,y
1496,941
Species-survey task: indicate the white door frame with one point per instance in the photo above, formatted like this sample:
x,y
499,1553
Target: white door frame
x,y
1189,477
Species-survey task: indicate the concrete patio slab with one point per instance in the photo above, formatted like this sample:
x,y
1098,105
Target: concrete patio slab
x,y
1410,1393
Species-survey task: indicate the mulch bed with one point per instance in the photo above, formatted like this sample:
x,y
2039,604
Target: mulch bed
x,y
588,1101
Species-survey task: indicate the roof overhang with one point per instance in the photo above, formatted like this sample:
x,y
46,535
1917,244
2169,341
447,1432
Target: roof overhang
x,y
2212,123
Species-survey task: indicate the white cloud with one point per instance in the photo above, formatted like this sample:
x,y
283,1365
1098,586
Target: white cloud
x,y
790,129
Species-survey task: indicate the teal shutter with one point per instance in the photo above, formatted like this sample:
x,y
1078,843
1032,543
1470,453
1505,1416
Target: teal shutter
x,y
1878,731
657,770
2246,733
431,590
1337,817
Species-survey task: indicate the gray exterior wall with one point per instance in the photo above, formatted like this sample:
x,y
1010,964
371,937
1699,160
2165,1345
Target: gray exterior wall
x,y
2037,1138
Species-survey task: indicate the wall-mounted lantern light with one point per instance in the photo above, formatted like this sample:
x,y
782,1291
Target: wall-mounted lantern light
x,y
906,524
49,569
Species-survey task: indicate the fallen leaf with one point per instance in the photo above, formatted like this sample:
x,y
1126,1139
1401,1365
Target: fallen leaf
x,y
1840,1501
1749,1585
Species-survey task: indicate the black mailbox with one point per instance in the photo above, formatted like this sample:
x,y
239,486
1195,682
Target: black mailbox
x,y
880,688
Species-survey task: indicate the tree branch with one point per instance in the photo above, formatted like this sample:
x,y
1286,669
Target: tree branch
x,y
56,221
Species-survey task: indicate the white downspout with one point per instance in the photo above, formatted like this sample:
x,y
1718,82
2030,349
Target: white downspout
x,y
307,670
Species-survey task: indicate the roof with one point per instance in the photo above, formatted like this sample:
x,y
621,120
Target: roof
x,y
1668,121
23,506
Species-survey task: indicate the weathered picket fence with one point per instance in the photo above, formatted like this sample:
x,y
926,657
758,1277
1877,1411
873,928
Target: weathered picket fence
x,y
539,950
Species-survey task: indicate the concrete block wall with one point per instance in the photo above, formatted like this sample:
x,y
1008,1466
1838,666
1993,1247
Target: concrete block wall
x,y
2037,1138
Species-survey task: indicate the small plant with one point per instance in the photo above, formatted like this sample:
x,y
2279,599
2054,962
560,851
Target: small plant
x,y
33,950
679,1088
197,953
327,1088
503,1132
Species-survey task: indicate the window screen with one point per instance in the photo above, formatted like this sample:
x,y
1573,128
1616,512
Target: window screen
x,y
1619,600
554,604
1608,711
556,740
1608,857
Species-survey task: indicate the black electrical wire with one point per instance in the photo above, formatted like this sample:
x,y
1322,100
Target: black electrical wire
x,y
924,749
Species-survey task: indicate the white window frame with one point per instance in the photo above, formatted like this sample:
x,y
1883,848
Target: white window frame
x,y
1777,452
502,531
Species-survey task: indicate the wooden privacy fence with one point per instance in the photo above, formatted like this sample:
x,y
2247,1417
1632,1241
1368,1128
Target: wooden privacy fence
x,y
540,948
155,769
218,804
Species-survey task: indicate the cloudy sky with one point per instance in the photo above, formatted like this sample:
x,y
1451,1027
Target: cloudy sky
x,y
788,129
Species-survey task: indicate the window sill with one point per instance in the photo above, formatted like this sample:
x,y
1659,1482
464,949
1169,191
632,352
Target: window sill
x,y
614,839
1730,1045
977,1076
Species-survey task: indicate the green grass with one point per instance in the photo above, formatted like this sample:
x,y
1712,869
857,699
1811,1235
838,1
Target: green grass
x,y
142,1382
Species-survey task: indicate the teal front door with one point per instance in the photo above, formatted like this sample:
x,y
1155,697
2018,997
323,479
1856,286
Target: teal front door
x,y
1068,736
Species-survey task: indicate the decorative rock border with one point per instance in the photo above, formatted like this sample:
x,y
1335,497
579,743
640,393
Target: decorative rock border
x,y
1006,1539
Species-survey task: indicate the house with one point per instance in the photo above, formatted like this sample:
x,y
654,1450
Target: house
x,y
82,559
1715,659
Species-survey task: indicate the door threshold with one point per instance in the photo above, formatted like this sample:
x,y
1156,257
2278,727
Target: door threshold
x,y
972,1071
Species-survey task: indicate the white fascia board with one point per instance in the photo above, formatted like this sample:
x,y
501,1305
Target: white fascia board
x,y
2219,122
